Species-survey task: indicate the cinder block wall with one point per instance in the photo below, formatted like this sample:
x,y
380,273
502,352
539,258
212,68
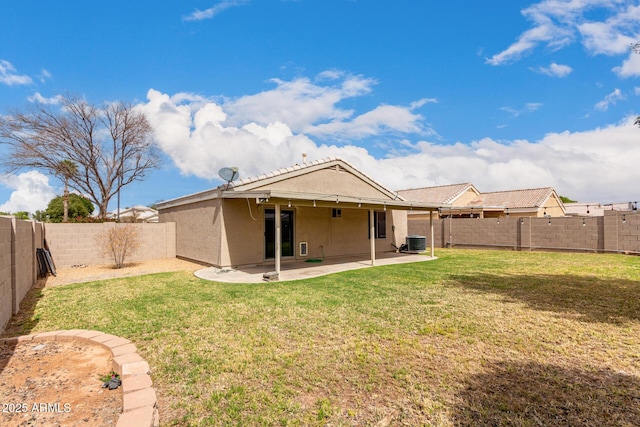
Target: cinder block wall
x,y
23,260
18,263
6,295
74,244
617,231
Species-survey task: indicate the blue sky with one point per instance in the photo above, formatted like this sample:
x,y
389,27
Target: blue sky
x,y
501,94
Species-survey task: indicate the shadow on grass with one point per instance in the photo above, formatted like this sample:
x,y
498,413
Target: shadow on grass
x,y
532,394
21,323
24,321
591,299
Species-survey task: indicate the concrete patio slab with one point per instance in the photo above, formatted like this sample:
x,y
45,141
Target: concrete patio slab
x,y
297,270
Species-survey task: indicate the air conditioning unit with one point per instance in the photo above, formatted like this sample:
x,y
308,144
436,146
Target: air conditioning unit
x,y
304,249
416,243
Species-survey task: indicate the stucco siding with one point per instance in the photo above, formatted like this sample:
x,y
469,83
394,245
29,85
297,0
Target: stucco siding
x,y
243,232
466,198
328,181
198,230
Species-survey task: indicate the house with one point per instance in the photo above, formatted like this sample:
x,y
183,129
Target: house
x,y
467,202
324,208
137,213
598,209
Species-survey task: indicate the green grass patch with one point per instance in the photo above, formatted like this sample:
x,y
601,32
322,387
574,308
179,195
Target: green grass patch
x,y
473,338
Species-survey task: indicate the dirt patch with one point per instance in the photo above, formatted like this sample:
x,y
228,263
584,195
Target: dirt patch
x,y
56,383
88,273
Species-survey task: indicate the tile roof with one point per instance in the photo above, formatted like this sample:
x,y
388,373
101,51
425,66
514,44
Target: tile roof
x,y
514,199
282,171
445,194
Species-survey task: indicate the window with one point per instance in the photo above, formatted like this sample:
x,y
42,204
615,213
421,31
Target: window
x,y
336,213
380,221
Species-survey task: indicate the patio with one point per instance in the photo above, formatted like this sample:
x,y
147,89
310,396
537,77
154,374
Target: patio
x,y
296,270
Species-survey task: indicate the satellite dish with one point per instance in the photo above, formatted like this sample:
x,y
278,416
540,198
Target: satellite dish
x,y
229,174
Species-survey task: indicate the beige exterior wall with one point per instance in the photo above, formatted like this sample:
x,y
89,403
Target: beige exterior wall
x,y
74,244
230,232
242,237
328,181
615,232
198,229
6,294
466,198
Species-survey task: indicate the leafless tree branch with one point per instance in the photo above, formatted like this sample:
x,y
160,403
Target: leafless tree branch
x,y
110,144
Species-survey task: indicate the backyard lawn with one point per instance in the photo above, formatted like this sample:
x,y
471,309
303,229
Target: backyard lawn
x,y
472,338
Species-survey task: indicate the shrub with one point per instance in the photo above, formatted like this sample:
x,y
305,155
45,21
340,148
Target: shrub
x,y
120,241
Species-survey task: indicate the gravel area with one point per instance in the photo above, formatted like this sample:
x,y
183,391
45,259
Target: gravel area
x,y
88,273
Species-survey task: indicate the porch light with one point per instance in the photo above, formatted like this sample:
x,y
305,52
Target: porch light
x,y
385,207
498,221
359,203
337,199
289,205
584,224
587,209
507,211
624,218
549,221
314,203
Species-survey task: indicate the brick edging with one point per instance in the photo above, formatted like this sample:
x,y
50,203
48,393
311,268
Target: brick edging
x,y
139,402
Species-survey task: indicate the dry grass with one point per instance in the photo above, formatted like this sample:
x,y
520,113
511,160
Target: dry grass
x,y
474,338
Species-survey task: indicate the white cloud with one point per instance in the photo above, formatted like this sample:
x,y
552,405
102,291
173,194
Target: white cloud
x,y
38,98
199,15
554,70
298,103
9,77
44,75
630,67
558,23
592,165
529,107
610,99
600,164
31,192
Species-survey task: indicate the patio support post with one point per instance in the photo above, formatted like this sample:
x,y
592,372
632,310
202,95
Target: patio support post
x,y
278,238
431,228
372,235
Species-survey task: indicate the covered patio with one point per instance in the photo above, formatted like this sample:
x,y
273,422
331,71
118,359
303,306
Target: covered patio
x,y
322,209
297,270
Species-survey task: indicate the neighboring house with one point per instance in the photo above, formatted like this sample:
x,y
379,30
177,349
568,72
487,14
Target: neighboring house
x,y
597,209
136,214
325,208
468,202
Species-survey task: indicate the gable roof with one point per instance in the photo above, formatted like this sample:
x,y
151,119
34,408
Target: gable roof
x,y
516,199
303,183
264,180
440,194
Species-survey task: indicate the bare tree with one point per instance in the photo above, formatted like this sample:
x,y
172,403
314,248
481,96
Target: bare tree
x,y
110,144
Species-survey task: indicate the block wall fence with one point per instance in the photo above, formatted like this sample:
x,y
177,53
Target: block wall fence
x,y
18,265
69,244
615,232
75,244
